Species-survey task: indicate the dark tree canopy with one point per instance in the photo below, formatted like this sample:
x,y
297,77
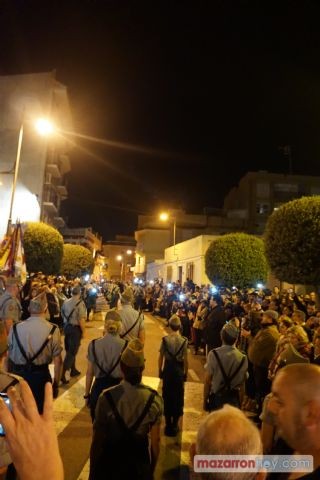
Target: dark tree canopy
x,y
43,246
292,241
236,259
76,261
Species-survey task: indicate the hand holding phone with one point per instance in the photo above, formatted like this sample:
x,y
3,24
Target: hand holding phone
x,y
7,402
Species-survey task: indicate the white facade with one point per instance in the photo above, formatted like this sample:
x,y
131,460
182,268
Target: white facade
x,y
184,260
43,161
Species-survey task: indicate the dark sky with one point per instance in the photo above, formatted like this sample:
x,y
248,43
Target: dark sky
x,y
206,90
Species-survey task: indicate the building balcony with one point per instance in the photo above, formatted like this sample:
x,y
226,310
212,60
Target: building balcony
x,y
62,190
54,170
50,207
59,222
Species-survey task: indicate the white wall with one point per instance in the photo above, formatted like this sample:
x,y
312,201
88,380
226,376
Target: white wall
x,y
190,251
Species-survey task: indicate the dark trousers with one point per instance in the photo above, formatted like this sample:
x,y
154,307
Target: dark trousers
x,y
262,384
72,341
36,377
100,384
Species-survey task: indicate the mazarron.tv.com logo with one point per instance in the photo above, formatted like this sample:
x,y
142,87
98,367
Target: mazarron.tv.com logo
x,y
253,463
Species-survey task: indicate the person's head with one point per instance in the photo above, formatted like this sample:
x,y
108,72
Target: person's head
x,y
287,310
127,297
229,334
215,300
298,317
295,402
76,291
269,317
112,322
12,286
132,362
313,296
175,323
297,335
228,432
38,305
284,324
311,307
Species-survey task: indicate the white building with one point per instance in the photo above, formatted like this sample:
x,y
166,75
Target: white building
x,y
184,260
43,161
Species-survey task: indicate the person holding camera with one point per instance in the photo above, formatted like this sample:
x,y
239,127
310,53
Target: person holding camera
x,y
173,369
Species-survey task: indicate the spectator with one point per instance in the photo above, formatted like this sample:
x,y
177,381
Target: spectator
x,y
214,323
31,438
228,432
295,403
261,350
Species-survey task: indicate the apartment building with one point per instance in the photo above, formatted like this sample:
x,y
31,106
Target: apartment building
x,y
44,161
259,193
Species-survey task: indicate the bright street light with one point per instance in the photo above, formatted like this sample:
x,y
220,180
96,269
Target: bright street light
x,y
44,127
129,252
119,258
164,217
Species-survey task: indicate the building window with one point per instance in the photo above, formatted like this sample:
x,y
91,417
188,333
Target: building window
x,y
190,270
263,190
169,273
286,187
262,208
314,190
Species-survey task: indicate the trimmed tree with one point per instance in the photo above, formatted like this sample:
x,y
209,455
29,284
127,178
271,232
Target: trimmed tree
x,y
43,248
236,259
292,241
76,260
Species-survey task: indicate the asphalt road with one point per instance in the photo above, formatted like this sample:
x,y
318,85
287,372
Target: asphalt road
x,y
73,422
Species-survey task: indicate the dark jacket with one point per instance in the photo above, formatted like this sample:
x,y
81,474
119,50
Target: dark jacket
x,y
263,346
214,323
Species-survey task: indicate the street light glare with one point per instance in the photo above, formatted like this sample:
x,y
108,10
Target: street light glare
x,y
44,127
129,252
164,216
119,257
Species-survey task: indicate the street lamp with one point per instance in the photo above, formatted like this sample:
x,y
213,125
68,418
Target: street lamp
x,y
164,217
44,127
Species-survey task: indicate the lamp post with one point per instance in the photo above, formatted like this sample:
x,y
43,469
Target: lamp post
x,y
44,128
119,258
164,217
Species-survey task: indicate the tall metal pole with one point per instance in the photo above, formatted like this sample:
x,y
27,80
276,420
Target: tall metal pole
x,y
16,171
174,232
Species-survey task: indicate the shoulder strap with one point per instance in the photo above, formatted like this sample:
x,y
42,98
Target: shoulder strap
x,y
22,350
131,328
5,301
13,382
71,313
173,355
227,379
118,417
113,366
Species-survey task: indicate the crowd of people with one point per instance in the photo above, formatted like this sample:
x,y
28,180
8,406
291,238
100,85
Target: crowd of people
x,y
258,347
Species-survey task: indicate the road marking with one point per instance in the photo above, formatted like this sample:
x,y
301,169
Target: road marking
x,y
193,375
68,405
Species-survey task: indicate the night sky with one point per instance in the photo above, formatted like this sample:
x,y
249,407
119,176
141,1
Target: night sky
x,y
205,91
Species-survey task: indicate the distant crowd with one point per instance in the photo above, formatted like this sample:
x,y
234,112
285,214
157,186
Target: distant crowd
x,y
257,348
